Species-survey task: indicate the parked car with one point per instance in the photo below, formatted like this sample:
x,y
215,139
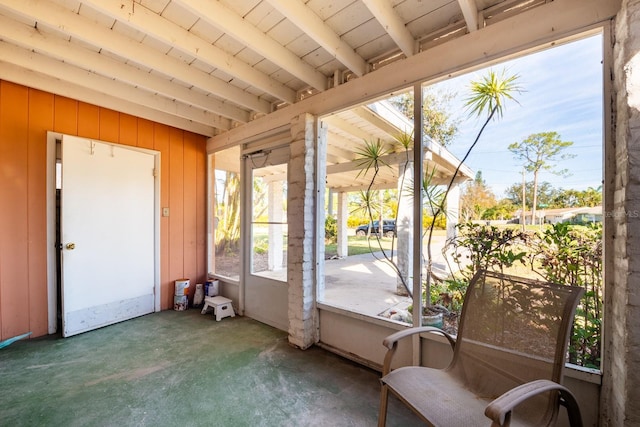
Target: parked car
x,y
388,228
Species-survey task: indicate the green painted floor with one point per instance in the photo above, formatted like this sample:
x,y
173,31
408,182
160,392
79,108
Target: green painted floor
x,y
185,369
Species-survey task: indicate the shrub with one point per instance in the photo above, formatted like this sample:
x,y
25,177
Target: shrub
x,y
562,253
330,230
572,255
487,247
440,222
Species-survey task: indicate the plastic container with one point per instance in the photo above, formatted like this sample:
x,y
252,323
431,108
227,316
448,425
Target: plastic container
x,y
180,302
212,288
182,287
432,320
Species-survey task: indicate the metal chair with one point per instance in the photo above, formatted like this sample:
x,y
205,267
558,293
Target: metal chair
x,y
508,359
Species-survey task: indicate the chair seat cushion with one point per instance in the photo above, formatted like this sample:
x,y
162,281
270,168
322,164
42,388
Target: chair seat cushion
x,y
440,398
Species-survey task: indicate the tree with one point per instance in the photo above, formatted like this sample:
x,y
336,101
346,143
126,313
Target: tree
x,y
555,198
227,235
546,194
566,199
591,196
539,152
503,210
476,198
439,124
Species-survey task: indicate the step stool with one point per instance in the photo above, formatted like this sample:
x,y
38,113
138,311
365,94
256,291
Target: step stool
x,y
221,307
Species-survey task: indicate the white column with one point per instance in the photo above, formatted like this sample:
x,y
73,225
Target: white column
x,y
275,214
343,238
404,228
621,326
305,223
453,210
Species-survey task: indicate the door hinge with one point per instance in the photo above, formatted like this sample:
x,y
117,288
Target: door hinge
x,y
155,173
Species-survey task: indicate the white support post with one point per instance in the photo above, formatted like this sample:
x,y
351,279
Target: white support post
x,y
343,238
303,232
453,210
404,228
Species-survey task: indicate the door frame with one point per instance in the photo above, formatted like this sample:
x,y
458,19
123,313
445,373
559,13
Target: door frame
x,y
274,154
52,282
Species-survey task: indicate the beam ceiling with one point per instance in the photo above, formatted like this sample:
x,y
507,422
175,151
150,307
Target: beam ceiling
x,y
215,66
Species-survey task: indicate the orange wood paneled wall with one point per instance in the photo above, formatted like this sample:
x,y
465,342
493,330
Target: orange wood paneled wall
x,y
25,117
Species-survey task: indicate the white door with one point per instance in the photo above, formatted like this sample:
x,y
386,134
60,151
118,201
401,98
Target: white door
x,y
265,276
107,234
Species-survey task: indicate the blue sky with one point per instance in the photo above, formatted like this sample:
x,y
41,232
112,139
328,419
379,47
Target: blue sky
x,y
562,93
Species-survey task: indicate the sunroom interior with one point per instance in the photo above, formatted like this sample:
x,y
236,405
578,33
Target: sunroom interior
x,y
278,95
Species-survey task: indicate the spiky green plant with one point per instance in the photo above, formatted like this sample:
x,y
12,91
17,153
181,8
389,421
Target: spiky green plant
x,y
372,157
488,96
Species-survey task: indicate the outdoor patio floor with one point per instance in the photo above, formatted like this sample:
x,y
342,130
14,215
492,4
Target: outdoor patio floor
x,y
183,368
367,283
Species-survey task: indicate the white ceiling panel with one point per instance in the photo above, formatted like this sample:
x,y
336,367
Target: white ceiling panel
x,y
241,7
352,16
180,16
230,45
157,6
264,17
206,31
327,9
285,32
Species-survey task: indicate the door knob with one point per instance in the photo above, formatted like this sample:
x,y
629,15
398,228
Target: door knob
x,y
70,246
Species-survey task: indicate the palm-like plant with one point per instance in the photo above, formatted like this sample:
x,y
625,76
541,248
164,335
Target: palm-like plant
x,y
488,96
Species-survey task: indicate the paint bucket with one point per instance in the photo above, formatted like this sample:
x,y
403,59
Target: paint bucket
x,y
180,302
182,287
212,288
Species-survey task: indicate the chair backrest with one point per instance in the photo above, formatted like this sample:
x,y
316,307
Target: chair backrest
x,y
513,330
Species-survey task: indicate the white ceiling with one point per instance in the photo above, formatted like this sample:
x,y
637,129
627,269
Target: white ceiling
x,y
210,66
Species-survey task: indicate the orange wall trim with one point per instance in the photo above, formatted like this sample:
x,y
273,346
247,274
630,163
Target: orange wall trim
x,y
25,117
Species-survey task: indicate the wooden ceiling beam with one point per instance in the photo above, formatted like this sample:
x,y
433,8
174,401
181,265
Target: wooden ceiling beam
x,y
470,13
76,26
28,77
32,39
378,121
153,25
218,15
71,74
342,124
393,25
305,19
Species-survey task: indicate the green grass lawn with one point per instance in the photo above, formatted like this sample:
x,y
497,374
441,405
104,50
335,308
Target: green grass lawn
x,y
360,245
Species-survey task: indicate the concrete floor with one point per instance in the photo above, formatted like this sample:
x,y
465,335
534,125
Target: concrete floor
x,y
367,283
184,368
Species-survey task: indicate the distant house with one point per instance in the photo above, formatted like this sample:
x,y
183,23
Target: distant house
x,y
576,215
588,215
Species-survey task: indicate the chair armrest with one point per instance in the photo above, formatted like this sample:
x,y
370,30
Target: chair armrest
x,y
391,342
500,409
